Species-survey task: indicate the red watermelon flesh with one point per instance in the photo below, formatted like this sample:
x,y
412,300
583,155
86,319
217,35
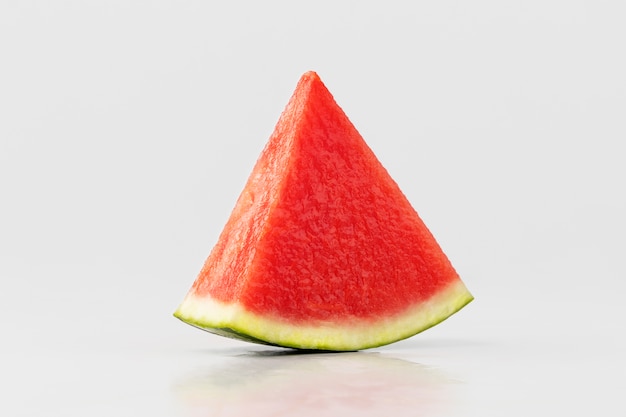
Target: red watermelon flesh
x,y
322,249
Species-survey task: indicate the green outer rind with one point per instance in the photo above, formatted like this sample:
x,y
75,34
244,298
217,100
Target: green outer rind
x,y
234,322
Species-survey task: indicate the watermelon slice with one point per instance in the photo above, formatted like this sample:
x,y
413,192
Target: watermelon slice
x,y
322,250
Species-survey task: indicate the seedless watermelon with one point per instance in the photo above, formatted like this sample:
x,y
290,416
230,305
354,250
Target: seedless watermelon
x,y
322,249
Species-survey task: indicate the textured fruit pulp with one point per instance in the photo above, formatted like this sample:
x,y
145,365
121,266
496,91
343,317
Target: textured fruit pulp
x,y
321,232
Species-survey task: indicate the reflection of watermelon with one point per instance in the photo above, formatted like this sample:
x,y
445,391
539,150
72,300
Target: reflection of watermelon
x,y
322,250
281,383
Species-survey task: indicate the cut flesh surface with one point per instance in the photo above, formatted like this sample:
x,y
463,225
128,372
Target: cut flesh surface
x,y
322,249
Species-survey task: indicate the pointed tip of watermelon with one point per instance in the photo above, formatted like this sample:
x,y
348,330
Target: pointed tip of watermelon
x,y
309,79
310,75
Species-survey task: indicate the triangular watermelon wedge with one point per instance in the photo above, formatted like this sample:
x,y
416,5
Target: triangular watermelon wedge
x,y
322,250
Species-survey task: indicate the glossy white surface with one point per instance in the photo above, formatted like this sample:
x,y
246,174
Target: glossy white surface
x,y
128,128
490,359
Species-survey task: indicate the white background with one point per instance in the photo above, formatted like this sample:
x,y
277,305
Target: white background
x,y
127,131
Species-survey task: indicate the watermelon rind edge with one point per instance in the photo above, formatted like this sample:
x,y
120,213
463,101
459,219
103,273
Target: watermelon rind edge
x,y
234,321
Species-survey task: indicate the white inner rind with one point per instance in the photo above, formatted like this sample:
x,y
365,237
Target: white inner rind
x,y
212,315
